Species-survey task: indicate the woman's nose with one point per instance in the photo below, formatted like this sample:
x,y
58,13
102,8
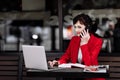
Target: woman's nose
x,y
76,29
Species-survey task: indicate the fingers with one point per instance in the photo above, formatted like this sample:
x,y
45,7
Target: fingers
x,y
84,37
87,31
53,63
50,63
91,68
83,33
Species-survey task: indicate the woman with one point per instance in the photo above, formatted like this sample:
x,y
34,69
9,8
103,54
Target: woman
x,y
83,48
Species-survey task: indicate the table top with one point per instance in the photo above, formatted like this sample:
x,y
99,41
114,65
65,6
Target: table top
x,y
67,72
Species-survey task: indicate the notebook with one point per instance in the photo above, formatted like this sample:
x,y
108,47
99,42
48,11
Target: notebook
x,y
35,57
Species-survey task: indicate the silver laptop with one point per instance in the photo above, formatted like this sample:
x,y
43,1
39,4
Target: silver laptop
x,y
35,57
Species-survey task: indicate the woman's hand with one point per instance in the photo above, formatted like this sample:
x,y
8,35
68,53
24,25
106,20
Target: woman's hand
x,y
53,63
91,68
85,36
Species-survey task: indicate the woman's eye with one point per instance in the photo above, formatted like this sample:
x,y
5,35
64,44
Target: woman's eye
x,y
79,26
74,26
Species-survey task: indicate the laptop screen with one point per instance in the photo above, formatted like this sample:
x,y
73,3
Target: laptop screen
x,y
34,57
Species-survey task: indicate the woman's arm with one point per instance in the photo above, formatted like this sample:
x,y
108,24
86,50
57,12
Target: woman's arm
x,y
90,52
66,56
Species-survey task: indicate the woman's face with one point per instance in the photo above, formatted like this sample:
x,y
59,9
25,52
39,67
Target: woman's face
x,y
79,27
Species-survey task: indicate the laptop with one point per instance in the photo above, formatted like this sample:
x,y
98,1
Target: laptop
x,y
35,57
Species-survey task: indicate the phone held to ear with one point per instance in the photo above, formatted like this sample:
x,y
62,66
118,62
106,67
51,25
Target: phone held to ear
x,y
86,29
82,33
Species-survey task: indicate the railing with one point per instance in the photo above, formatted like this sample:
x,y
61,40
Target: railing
x,y
11,67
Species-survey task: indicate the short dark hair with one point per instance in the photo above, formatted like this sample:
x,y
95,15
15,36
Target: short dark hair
x,y
83,19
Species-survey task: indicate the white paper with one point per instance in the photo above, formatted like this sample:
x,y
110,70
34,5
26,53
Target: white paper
x,y
69,65
100,70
